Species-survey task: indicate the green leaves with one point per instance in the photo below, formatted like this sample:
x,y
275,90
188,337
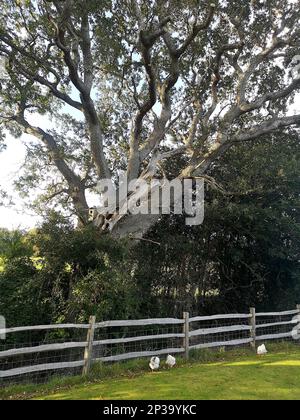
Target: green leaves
x,y
52,59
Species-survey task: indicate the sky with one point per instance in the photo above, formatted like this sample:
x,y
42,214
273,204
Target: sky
x,y
11,161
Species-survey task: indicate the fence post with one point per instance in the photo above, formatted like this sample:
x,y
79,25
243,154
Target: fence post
x,y
298,308
186,332
253,328
88,352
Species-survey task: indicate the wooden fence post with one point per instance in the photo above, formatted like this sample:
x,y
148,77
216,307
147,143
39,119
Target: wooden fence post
x,y
88,352
298,308
253,328
186,332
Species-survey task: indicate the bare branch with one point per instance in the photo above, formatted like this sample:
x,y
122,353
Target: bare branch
x,y
76,187
267,127
27,73
271,96
83,86
255,62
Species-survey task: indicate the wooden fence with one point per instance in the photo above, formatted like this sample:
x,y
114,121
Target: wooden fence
x,y
249,325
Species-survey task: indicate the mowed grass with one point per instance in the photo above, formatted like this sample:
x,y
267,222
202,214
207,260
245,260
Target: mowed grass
x,y
275,376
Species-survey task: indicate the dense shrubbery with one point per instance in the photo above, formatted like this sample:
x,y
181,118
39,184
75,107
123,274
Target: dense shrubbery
x,y
246,253
67,276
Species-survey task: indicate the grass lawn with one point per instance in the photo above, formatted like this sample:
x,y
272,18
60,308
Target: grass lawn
x,y
230,376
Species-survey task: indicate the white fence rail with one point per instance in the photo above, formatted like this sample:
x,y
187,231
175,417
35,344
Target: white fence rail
x,y
209,335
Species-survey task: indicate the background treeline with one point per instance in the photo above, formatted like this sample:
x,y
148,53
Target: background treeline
x,y
246,253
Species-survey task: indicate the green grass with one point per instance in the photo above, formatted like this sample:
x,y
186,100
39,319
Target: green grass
x,y
237,374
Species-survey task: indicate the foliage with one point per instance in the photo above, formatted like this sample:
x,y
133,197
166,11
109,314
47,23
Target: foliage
x,y
68,276
132,84
22,300
247,250
246,253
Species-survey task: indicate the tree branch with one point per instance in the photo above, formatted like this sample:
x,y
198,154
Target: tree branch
x,y
267,127
76,187
84,87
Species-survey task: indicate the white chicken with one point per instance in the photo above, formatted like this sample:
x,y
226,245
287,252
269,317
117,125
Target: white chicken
x,y
154,363
261,350
171,361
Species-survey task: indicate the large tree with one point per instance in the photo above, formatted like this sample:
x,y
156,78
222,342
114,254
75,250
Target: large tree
x,y
130,84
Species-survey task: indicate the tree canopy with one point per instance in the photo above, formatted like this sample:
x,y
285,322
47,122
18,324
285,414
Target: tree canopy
x,y
129,85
